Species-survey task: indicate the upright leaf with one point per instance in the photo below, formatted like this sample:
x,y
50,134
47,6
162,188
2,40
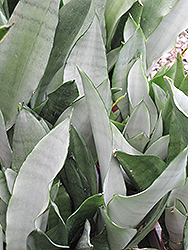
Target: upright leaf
x,y
5,149
30,193
114,10
127,56
58,101
89,55
165,39
71,18
100,124
27,133
153,12
118,237
25,52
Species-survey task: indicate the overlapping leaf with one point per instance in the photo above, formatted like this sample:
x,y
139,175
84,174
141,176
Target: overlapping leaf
x,y
30,191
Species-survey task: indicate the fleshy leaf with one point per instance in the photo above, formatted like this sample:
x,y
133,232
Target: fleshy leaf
x,y
86,211
23,63
120,143
114,181
5,149
84,241
71,19
118,237
29,195
58,101
27,133
143,170
120,206
114,10
127,56
89,55
139,122
166,40
100,124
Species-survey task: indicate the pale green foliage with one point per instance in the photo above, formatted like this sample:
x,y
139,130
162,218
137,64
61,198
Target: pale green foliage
x,y
76,170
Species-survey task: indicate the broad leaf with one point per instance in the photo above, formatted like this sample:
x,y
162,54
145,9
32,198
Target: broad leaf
x,y
114,181
1,238
100,124
165,40
27,133
120,206
118,237
71,19
23,63
86,211
159,147
114,10
153,12
38,240
33,194
89,55
5,149
58,101
143,170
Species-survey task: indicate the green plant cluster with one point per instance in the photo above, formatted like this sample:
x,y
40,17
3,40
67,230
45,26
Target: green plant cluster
x,y
92,151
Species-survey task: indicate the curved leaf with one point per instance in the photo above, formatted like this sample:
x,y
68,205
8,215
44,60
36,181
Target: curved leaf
x,y
100,124
25,52
114,181
120,206
5,149
30,193
166,40
127,56
120,143
114,10
71,19
27,133
139,122
89,55
118,237
143,170
86,211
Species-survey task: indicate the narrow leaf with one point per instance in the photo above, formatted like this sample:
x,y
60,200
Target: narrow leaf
x,y
100,124
5,149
